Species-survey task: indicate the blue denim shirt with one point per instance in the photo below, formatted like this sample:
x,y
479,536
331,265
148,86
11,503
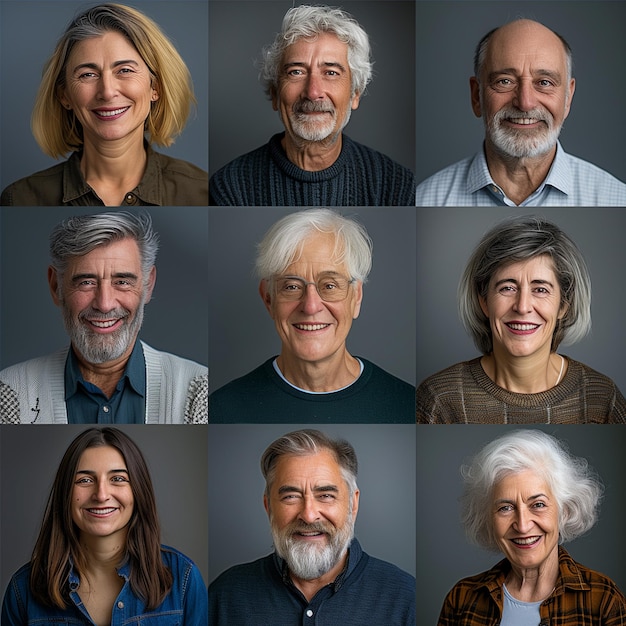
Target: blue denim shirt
x,y
184,605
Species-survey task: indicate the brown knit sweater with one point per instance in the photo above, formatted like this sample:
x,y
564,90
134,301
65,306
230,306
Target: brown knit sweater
x,y
464,394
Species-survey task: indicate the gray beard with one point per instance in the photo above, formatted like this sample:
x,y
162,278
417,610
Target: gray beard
x,y
518,143
98,348
309,562
317,131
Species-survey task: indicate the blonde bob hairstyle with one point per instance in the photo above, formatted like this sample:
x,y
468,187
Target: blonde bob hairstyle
x,y
57,130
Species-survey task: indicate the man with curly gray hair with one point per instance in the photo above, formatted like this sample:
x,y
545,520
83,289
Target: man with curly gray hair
x,y
102,274
315,73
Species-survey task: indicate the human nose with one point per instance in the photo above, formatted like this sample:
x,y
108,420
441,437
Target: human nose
x,y
311,301
308,511
313,89
104,297
106,86
523,301
525,96
523,520
101,491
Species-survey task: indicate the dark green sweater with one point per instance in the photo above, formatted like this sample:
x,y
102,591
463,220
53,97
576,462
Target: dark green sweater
x,y
359,177
262,396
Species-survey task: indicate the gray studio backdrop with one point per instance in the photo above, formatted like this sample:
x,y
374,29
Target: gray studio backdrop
x,y
239,529
29,31
177,460
443,553
175,319
241,116
447,34
447,236
241,333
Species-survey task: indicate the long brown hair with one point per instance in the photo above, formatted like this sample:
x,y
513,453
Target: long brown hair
x,y
58,542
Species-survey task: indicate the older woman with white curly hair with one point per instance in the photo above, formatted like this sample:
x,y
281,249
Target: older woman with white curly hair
x,y
524,496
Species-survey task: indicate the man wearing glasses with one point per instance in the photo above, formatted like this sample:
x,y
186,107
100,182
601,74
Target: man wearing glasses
x,y
312,265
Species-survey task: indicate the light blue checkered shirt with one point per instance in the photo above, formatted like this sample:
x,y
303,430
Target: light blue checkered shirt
x,y
570,182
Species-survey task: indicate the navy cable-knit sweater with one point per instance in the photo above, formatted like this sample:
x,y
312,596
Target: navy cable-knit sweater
x,y
266,177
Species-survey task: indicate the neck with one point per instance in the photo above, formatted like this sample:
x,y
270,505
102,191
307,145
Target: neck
x,y
534,584
310,587
518,177
331,374
312,156
102,555
528,374
104,375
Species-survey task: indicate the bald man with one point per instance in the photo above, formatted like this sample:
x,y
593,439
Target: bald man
x,y
523,89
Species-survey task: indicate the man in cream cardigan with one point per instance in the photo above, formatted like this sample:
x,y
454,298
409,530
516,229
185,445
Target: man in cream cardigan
x,y
101,276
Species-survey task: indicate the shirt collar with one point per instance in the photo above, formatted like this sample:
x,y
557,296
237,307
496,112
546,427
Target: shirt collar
x,y
149,189
134,372
559,176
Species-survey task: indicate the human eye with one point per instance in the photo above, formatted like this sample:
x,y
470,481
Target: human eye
x,y
506,289
291,286
83,480
295,72
503,83
118,478
328,284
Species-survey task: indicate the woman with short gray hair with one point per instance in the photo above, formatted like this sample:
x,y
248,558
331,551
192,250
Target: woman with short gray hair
x,y
525,291
524,495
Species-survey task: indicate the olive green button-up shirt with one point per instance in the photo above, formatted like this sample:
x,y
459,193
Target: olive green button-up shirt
x,y
165,182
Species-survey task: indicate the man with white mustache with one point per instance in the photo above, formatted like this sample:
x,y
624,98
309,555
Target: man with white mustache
x,y
102,275
315,74
318,573
523,89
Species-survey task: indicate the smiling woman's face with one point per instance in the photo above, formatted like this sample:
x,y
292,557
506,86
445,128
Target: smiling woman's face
x,y
523,305
109,87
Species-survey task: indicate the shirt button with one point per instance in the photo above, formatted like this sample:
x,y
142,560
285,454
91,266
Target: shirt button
x,y
131,199
309,613
105,409
120,605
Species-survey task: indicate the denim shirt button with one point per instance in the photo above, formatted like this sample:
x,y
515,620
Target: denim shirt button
x,y
73,586
120,605
309,613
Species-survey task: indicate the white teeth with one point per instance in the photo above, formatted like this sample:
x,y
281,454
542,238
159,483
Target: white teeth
x,y
527,541
523,120
101,511
107,324
111,113
313,534
523,326
311,326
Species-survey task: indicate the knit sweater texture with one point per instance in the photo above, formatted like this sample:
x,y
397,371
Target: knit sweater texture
x,y
359,177
464,394
34,391
262,396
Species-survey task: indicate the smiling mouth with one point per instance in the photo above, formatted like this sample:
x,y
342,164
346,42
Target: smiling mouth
x,y
310,327
524,121
103,323
526,541
523,327
111,113
106,511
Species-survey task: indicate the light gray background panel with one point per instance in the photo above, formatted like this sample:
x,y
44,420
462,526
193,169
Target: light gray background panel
x,y
444,554
446,238
175,319
177,460
242,335
29,31
239,529
447,35
241,116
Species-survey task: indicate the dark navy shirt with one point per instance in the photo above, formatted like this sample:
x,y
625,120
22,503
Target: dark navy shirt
x,y
368,592
87,404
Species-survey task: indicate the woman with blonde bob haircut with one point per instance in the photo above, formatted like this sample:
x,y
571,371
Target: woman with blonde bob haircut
x,y
99,550
113,86
524,495
525,291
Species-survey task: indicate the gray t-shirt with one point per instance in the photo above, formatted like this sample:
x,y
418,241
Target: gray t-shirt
x,y
518,613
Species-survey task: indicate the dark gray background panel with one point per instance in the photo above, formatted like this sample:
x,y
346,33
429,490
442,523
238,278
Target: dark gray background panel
x,y
447,236
242,335
177,460
444,554
176,319
239,529
28,34
447,34
241,116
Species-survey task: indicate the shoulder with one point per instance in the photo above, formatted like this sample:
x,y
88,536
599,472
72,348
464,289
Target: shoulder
x,y
33,368
390,574
383,379
242,576
179,168
448,378
175,558
172,364
437,188
39,189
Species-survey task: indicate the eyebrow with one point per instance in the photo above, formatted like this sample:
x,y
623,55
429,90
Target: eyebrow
x,y
536,281
93,473
342,67
554,75
95,66
505,501
76,277
320,489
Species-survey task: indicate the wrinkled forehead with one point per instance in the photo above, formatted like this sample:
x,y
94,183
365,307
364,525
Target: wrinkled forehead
x,y
525,44
320,250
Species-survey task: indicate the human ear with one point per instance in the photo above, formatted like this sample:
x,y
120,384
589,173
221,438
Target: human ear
x,y
475,96
53,284
264,292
